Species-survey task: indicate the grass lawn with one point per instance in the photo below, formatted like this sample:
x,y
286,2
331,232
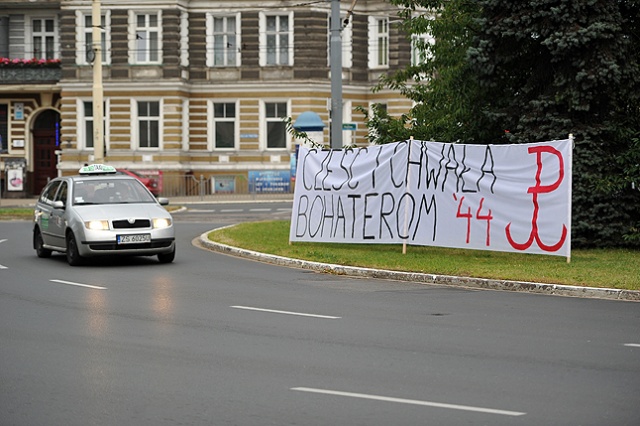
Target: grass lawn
x,y
611,268
9,213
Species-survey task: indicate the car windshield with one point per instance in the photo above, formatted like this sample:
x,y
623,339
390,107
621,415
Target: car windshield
x,y
110,191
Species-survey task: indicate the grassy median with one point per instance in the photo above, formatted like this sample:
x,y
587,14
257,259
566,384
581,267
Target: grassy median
x,y
611,268
16,213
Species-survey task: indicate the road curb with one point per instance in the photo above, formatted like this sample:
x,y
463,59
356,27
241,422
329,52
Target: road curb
x,y
467,282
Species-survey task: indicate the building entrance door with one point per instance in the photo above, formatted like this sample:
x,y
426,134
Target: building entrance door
x,y
45,143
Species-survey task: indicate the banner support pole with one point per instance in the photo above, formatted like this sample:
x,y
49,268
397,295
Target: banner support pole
x,y
570,176
406,204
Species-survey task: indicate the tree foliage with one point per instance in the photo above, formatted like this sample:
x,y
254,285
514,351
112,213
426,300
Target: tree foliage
x,y
443,86
502,71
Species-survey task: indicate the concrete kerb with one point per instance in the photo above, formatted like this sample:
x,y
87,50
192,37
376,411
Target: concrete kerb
x,y
467,282
17,202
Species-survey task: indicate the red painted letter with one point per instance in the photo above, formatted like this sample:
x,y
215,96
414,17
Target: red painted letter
x,y
540,189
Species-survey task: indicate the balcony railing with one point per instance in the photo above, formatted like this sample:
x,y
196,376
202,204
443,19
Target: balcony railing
x,y
27,71
12,74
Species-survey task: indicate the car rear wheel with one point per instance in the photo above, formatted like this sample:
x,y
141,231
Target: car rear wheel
x,y
73,254
38,244
167,257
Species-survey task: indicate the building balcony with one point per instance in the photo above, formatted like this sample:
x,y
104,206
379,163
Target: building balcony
x,y
29,71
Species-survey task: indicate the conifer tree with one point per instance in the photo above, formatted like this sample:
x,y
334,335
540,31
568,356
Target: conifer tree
x,y
514,72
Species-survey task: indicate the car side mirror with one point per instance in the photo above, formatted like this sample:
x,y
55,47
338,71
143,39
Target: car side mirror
x,y
58,205
163,201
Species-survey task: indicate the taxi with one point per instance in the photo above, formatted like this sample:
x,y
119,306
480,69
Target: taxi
x,y
101,213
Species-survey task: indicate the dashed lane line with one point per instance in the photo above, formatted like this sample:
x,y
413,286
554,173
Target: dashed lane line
x,y
2,266
95,287
411,401
273,311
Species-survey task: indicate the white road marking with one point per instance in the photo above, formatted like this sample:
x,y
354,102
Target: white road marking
x,y
259,210
78,284
248,308
200,211
632,345
411,401
2,266
231,210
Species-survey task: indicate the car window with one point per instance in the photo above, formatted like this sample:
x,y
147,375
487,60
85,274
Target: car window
x,y
62,193
110,191
49,192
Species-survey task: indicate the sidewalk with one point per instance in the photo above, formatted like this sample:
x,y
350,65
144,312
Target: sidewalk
x,y
18,202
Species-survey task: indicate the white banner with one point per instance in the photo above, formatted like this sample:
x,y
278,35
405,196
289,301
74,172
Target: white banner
x,y
514,198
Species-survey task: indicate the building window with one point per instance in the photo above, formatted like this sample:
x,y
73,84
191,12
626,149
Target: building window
x,y
149,124
419,45
223,41
87,115
224,125
378,42
43,33
275,112
87,54
276,39
147,43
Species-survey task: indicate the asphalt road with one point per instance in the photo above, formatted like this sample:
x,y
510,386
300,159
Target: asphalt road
x,y
216,340
226,213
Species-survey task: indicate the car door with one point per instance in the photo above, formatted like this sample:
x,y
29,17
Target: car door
x,y
57,223
44,208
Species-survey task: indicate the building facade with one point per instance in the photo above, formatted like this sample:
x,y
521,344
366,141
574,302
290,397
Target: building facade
x,y
190,87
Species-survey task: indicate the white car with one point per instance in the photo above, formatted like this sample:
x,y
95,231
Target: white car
x,y
100,213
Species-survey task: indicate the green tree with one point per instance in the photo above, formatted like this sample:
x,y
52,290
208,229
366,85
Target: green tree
x,y
443,85
502,71
555,67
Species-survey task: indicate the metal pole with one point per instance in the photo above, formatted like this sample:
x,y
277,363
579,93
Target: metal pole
x,y
98,109
336,75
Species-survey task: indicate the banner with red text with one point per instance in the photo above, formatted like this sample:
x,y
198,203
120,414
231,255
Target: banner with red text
x,y
514,198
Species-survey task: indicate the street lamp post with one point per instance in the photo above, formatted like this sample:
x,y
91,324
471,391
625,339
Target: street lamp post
x,y
98,109
336,75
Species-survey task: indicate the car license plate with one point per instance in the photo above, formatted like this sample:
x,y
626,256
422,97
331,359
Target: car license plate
x,y
134,239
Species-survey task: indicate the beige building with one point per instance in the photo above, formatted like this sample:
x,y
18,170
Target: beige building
x,y
193,89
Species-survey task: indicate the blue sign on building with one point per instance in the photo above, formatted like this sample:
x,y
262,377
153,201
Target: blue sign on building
x,y
270,181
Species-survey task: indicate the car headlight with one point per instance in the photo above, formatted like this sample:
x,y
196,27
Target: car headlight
x,y
97,225
161,223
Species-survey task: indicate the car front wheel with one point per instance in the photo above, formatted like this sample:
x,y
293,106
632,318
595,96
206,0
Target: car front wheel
x,y
73,254
167,257
38,244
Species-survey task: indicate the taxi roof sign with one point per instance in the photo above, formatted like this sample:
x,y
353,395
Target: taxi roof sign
x,y
97,169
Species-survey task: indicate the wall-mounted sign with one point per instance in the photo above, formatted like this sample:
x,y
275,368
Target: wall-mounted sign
x,y
15,179
14,168
264,181
18,111
18,143
223,184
